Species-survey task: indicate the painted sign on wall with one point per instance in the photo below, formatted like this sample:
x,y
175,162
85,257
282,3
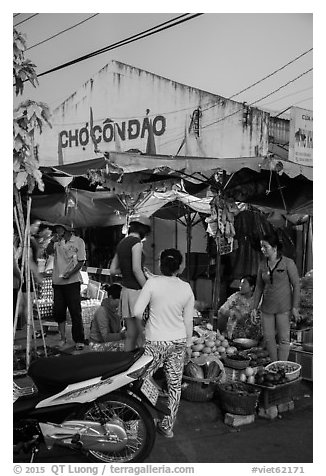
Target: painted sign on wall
x,y
123,108
301,136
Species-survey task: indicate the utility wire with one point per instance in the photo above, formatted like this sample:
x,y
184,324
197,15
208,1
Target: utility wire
x,y
26,19
258,100
16,15
271,74
124,42
299,102
286,96
283,86
239,110
60,32
262,79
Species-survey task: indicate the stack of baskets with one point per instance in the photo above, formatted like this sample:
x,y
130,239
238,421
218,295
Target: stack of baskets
x,y
238,398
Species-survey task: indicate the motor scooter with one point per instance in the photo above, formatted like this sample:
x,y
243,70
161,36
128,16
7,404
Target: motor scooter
x,y
103,404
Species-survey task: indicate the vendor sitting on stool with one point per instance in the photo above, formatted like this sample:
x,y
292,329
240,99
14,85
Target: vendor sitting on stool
x,y
237,309
106,329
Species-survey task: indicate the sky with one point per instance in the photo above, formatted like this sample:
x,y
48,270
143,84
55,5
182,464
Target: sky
x,y
221,53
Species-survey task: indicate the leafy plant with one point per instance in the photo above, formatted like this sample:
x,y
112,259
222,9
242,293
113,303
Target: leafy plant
x,y
28,118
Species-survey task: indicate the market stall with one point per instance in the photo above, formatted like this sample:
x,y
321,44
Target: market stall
x,y
240,375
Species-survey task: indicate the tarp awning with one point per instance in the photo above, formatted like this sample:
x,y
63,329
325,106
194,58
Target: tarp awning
x,y
130,162
82,208
156,200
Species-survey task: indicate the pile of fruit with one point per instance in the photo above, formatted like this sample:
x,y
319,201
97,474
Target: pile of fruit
x,y
258,356
264,377
248,375
270,379
209,370
238,388
213,343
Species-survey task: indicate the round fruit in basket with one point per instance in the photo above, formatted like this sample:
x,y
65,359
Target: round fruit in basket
x,y
291,370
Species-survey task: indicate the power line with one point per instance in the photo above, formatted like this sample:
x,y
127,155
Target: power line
x,y
262,79
26,19
258,100
283,86
292,105
286,96
16,15
271,74
60,32
124,42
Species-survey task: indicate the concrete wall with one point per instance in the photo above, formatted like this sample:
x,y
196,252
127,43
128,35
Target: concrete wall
x,y
124,98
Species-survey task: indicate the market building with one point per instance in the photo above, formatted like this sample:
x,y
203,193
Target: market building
x,y
198,165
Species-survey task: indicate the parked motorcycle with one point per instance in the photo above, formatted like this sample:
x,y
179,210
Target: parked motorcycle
x,y
101,403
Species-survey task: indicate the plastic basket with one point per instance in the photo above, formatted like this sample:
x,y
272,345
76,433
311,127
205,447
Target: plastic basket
x,y
289,375
282,393
198,390
235,403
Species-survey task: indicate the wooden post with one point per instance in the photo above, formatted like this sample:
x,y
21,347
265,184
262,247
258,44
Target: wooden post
x,y
28,287
188,231
153,244
39,318
22,271
217,281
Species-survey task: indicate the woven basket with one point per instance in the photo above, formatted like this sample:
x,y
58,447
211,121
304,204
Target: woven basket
x,y
198,389
233,402
236,364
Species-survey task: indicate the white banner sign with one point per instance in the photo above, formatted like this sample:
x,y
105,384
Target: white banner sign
x,y
301,136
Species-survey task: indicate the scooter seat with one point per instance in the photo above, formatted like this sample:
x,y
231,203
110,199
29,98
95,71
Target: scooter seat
x,y
53,374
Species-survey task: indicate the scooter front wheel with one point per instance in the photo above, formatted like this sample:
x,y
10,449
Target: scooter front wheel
x,y
135,420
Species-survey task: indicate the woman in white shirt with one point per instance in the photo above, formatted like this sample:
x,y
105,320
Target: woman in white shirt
x,y
168,330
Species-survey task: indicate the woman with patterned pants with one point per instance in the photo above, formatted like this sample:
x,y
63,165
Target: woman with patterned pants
x,y
168,331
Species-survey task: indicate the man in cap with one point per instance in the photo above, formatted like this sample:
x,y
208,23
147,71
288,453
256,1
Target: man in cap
x,y
128,261
69,256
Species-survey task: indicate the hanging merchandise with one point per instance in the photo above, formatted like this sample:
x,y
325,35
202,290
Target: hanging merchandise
x,y
220,224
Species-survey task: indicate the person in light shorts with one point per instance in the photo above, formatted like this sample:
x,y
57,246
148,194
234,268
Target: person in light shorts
x,y
128,261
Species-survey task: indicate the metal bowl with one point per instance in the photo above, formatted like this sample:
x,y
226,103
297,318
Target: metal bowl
x,y
243,343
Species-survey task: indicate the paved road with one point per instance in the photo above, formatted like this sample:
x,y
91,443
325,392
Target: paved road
x,y
202,437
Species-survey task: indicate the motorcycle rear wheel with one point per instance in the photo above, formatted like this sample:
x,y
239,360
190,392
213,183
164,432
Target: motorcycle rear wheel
x,y
129,412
